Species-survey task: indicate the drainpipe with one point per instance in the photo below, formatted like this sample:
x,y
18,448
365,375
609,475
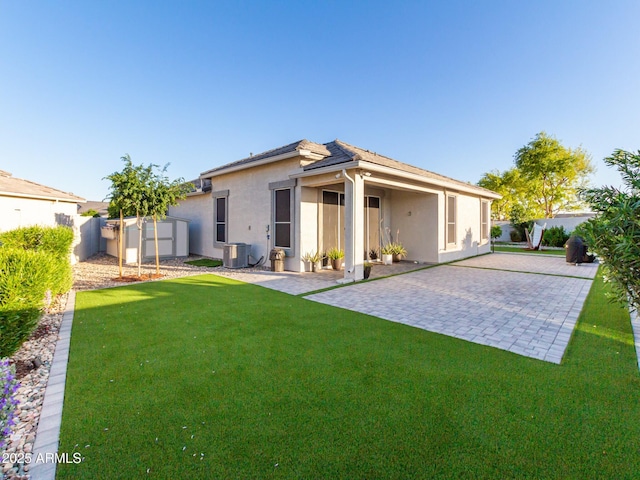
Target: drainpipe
x,y
353,222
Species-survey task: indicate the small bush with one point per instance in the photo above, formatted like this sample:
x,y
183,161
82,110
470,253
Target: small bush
x,y
555,237
515,236
25,278
496,231
55,241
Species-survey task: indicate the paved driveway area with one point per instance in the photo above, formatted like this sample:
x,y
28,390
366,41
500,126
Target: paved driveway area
x,y
488,300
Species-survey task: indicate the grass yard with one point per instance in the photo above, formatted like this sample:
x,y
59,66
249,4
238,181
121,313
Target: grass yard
x,y
205,377
512,249
205,262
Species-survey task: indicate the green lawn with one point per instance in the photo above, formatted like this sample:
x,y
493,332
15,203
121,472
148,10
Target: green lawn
x,y
205,262
507,248
205,377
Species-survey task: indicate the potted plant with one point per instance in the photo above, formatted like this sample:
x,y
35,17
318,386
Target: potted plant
x,y
387,254
398,251
367,269
373,254
315,262
335,255
307,259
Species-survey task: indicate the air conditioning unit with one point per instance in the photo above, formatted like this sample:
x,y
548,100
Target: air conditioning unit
x,y
236,255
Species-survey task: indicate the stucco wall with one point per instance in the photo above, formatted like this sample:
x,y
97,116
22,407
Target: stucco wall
x,y
415,215
198,209
18,212
249,212
468,241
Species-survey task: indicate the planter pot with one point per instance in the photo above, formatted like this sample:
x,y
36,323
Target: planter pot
x,y
336,263
316,266
367,272
397,258
387,259
308,266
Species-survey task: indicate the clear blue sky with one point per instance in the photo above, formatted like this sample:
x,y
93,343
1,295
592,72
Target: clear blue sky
x,y
455,87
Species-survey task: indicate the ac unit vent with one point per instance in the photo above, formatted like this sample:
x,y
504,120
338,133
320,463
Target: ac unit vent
x,y
236,255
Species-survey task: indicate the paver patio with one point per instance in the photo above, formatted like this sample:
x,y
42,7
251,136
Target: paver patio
x,y
526,304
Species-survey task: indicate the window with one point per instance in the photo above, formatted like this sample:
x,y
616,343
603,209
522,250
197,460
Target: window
x,y
484,220
451,219
282,217
220,217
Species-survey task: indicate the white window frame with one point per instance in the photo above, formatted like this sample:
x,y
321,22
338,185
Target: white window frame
x,y
484,221
454,223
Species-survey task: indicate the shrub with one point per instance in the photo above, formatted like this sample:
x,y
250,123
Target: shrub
x,y
55,241
25,278
55,245
555,237
515,236
496,231
614,233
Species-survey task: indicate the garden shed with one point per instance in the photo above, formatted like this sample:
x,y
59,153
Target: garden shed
x,y
173,238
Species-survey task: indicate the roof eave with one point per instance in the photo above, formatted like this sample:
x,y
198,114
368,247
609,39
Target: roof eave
x,y
264,161
43,197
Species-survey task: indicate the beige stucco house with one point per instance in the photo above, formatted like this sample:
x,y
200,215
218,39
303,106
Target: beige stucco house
x,y
307,196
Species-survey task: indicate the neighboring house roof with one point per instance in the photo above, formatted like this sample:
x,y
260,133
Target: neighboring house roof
x,y
11,186
336,153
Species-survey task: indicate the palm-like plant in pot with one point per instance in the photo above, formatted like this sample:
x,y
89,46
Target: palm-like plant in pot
x,y
335,255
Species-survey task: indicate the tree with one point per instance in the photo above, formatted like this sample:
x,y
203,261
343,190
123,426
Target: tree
x,y
129,197
163,193
553,173
516,195
614,233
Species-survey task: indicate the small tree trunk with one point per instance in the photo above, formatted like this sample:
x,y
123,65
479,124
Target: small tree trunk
x,y
120,242
155,239
139,225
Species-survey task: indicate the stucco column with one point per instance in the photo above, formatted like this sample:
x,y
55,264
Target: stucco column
x,y
354,227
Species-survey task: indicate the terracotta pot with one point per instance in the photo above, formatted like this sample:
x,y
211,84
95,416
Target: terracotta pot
x,y
336,263
397,257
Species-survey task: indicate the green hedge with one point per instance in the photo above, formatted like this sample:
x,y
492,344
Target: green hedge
x,y
34,265
24,280
56,241
555,237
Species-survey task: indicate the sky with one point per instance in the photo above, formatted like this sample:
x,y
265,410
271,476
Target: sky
x,y
455,87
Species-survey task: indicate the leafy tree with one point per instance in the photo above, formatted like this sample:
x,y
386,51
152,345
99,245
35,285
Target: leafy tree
x,y
614,233
517,195
553,173
129,197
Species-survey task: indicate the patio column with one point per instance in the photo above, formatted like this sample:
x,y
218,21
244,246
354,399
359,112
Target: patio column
x,y
354,227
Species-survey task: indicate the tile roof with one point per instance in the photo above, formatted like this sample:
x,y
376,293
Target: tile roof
x,y
292,147
12,186
343,152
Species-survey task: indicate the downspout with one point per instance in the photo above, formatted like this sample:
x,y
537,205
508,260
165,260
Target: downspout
x,y
353,222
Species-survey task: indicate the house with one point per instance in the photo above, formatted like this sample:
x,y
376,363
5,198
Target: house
x,y
24,203
307,196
